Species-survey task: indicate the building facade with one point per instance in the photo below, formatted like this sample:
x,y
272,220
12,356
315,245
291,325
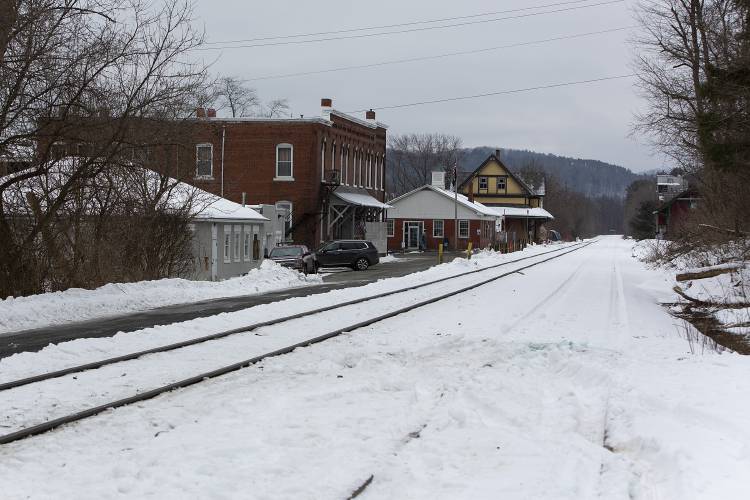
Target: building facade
x,y
327,172
520,204
430,215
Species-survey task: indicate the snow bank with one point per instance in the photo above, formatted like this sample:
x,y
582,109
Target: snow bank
x,y
78,304
390,258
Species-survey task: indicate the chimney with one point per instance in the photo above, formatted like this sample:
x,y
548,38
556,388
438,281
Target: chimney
x,y
370,116
438,180
327,105
200,112
497,153
211,113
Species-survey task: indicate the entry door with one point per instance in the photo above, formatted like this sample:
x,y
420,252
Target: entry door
x,y
412,232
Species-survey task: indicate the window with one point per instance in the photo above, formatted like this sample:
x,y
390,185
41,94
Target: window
x,y
284,162
345,176
323,161
463,229
287,207
204,160
437,229
237,235
501,184
353,245
227,243
368,182
333,156
483,183
246,243
390,227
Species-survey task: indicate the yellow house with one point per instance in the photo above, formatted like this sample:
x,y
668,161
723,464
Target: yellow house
x,y
494,185
520,204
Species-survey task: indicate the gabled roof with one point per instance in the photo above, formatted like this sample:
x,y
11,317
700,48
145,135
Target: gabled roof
x,y
478,208
516,177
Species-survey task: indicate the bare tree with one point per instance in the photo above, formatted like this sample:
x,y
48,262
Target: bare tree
x,y
233,94
90,79
694,68
413,158
276,108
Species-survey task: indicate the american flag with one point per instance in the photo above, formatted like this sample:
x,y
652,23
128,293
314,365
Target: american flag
x,y
454,173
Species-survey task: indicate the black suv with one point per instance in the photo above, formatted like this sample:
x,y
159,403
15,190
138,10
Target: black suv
x,y
295,256
357,254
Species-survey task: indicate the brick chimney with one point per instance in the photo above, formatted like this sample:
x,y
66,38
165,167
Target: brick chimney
x,y
370,116
211,113
326,105
200,112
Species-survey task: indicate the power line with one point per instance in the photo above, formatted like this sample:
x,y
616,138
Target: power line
x,y
399,25
439,56
502,92
385,33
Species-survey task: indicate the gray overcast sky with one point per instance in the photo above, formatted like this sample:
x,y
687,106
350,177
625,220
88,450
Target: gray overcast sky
x,y
587,121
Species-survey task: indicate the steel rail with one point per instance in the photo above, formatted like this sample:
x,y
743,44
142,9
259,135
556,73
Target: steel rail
x,y
53,424
248,328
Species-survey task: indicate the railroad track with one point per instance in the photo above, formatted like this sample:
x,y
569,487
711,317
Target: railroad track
x,y
10,387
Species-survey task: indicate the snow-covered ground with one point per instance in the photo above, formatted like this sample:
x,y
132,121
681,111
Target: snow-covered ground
x,y
566,381
77,304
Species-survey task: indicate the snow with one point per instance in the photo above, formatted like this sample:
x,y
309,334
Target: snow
x,y
359,198
568,381
76,304
390,258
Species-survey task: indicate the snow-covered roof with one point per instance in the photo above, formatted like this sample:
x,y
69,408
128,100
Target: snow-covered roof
x,y
359,197
475,207
217,208
176,195
534,213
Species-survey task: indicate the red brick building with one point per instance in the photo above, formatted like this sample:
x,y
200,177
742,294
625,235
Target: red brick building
x,y
329,171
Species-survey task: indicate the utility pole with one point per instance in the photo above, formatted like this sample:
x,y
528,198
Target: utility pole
x,y
455,204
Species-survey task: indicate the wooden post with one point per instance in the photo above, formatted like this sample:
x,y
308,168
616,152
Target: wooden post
x,y
440,253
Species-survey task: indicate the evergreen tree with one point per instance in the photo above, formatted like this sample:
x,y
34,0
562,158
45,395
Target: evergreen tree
x,y
643,223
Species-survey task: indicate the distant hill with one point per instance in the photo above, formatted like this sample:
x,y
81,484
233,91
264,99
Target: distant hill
x,y
591,178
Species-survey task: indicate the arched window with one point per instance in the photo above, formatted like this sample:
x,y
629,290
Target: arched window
x,y
323,161
346,166
284,162
333,156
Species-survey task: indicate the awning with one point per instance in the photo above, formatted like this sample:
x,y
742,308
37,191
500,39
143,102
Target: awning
x,y
525,213
358,198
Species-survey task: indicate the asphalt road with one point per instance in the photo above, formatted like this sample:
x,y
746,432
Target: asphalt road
x,y
38,338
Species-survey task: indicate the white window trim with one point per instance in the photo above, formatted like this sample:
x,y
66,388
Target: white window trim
x,y
345,176
278,177
323,161
341,166
246,243
390,233
333,156
359,169
227,244
468,229
237,242
377,171
486,182
442,228
203,145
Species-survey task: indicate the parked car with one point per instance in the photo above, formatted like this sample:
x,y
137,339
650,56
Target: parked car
x,y
357,254
297,257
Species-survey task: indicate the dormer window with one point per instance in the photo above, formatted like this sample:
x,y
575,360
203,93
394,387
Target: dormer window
x,y
284,162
